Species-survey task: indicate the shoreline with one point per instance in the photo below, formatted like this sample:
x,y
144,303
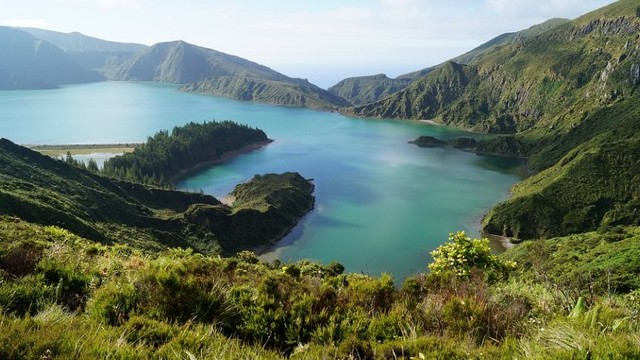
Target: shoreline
x,y
504,241
229,155
83,149
431,122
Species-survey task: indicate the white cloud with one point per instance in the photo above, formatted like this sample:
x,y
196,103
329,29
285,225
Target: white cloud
x,y
119,4
37,23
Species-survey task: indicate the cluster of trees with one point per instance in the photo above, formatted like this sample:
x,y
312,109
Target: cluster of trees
x,y
165,154
91,165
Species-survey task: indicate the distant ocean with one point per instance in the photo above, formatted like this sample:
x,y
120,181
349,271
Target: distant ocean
x,y
329,75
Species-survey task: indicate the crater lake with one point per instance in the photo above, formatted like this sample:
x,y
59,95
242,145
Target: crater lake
x,y
382,204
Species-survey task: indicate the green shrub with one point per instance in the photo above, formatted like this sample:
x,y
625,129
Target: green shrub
x,y
114,303
355,348
148,332
21,258
462,316
173,292
70,283
385,327
248,257
335,268
26,295
373,295
423,348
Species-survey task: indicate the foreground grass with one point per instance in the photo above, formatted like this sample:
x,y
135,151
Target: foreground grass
x,y
62,296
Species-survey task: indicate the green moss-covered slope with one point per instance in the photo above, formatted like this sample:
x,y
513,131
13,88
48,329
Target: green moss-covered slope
x,y
594,185
591,179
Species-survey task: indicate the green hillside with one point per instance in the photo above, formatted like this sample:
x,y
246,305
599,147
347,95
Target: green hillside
x,y
566,99
42,190
290,92
179,62
546,80
366,89
29,63
369,89
508,38
75,42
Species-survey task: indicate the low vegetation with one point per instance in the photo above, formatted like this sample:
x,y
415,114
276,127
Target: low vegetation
x,y
63,296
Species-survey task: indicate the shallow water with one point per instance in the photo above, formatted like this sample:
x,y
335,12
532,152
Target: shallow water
x,y
381,204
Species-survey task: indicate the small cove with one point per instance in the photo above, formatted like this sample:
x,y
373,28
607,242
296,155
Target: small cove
x,y
381,204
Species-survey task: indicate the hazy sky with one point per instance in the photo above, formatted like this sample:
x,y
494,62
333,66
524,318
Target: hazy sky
x,y
323,40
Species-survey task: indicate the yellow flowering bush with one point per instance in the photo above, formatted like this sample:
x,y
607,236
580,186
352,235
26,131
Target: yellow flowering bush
x,y
461,254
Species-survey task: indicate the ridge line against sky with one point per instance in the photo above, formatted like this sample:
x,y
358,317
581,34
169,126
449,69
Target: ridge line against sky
x,y
323,41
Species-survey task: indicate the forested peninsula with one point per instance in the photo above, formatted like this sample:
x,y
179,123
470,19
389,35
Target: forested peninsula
x,y
165,157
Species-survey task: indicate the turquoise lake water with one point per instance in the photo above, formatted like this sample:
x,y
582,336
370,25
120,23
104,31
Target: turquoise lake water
x,y
381,204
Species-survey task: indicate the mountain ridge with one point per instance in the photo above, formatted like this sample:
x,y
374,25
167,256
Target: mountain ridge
x,y
208,71
198,69
75,42
90,52
363,90
29,63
